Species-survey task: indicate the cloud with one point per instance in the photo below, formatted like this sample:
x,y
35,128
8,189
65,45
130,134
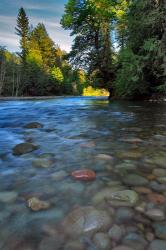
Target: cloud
x,y
9,40
47,12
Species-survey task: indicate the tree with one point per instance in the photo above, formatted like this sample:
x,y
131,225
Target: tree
x,y
90,23
22,30
141,62
46,45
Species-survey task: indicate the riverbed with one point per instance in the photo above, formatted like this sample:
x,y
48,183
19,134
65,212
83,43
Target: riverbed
x,y
42,207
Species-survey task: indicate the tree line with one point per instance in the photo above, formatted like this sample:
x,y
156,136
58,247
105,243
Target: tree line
x,y
119,46
40,68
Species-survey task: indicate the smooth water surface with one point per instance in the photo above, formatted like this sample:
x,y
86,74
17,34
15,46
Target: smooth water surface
x,y
114,139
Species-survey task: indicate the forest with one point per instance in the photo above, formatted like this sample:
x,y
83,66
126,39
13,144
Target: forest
x,y
119,47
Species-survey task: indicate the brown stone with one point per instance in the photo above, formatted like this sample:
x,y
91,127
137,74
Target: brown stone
x,y
142,190
157,198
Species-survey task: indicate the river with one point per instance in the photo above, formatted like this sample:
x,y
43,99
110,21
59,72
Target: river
x,y
123,142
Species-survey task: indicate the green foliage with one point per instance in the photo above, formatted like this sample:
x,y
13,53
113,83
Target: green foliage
x,y
141,67
57,74
129,81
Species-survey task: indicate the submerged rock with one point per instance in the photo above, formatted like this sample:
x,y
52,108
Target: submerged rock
x,y
155,214
24,148
104,157
42,163
73,245
160,230
8,196
51,243
157,245
159,172
84,175
132,154
105,194
116,232
102,241
157,198
59,175
33,125
126,198
86,220
124,214
160,160
135,180
135,241
36,205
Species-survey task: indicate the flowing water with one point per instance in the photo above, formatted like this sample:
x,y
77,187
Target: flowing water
x,y
122,142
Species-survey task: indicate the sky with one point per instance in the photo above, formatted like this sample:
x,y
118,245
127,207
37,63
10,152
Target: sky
x,y
48,12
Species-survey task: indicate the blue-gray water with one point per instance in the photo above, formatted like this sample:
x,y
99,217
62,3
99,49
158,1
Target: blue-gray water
x,y
78,133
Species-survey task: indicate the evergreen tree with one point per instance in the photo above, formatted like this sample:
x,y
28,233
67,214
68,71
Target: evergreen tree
x,y
45,44
22,30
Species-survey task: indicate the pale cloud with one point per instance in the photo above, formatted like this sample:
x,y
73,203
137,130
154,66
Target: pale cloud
x,y
9,40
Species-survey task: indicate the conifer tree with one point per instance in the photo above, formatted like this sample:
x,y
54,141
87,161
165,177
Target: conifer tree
x,y
22,30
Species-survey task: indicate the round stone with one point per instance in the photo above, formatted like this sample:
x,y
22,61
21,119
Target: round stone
x,y
135,180
102,241
86,220
155,214
124,214
126,198
116,232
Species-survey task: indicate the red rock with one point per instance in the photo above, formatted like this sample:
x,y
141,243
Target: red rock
x,y
157,198
84,175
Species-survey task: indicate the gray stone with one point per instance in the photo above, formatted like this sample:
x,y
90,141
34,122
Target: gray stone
x,y
73,245
160,230
155,214
160,160
42,163
159,172
116,232
126,198
135,180
157,245
59,175
135,241
124,214
86,220
102,241
105,194
52,243
8,196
